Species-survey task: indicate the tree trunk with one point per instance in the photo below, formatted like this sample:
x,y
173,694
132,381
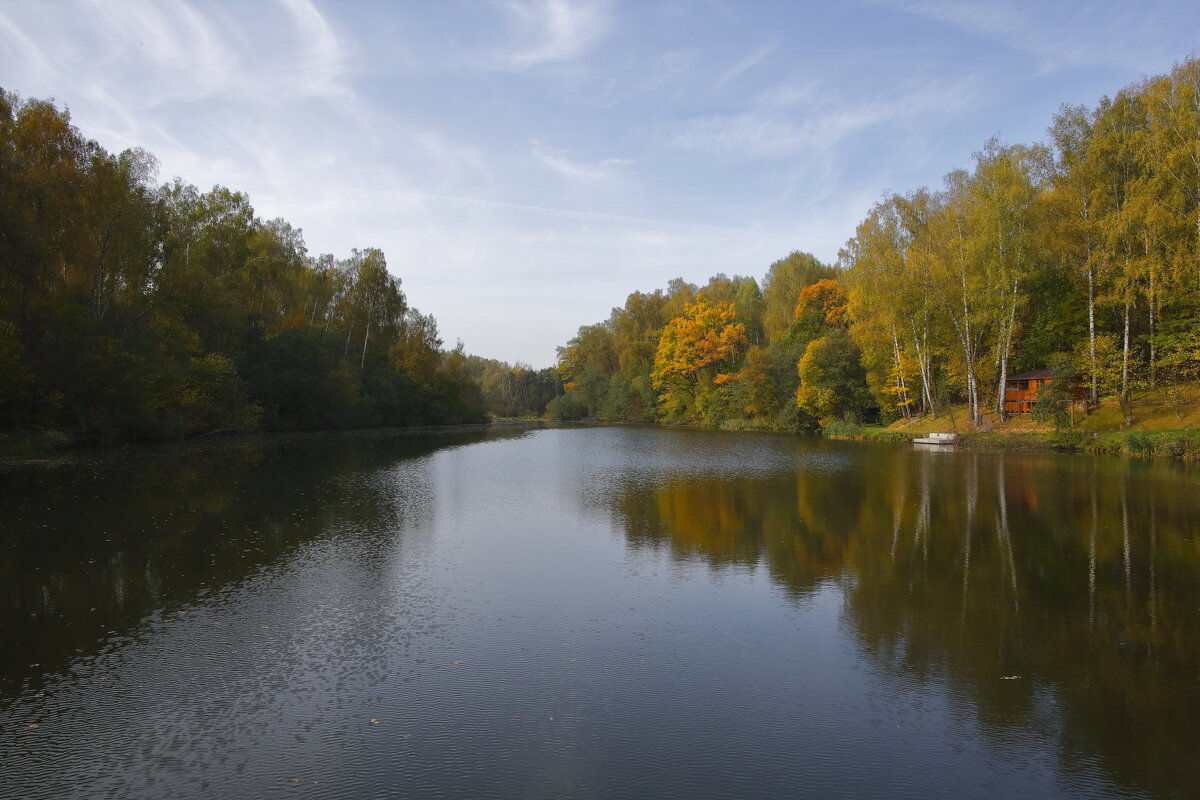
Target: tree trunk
x,y
969,352
1153,348
969,358
1004,347
349,330
366,335
964,332
1094,398
924,367
100,279
1125,404
901,384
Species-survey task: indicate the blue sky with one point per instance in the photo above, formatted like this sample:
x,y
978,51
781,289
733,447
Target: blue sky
x,y
526,164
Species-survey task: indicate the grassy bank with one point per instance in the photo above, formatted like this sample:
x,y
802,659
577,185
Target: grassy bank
x,y
1182,444
1166,423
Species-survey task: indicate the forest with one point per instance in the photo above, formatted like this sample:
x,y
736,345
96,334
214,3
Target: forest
x,y
1080,255
131,311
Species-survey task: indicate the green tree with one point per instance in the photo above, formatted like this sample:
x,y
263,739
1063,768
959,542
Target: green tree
x,y
833,383
781,288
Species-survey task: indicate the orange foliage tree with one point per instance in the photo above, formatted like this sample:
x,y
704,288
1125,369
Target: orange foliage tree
x,y
692,348
827,298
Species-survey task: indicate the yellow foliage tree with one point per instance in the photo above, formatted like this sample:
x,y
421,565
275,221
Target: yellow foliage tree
x,y
691,349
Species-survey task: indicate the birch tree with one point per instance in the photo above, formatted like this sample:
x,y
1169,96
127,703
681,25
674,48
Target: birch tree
x,y
1003,196
1119,128
1072,227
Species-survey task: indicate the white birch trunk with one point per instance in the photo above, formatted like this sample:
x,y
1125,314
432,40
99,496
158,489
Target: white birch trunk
x,y
1125,367
901,383
1095,394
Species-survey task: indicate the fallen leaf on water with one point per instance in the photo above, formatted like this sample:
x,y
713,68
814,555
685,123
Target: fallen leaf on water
x,y
31,725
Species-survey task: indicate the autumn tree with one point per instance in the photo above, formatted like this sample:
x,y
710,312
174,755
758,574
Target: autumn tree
x,y
1072,229
416,352
1120,124
833,383
129,311
1004,193
693,349
889,302
781,288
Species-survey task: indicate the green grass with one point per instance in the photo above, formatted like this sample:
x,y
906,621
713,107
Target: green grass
x,y
1182,444
1166,424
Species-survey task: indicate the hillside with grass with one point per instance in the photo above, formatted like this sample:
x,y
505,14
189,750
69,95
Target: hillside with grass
x,y
1166,423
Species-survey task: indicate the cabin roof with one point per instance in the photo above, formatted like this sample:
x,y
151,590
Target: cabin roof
x,y
1032,374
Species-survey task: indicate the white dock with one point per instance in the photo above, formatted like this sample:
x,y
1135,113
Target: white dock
x,y
938,438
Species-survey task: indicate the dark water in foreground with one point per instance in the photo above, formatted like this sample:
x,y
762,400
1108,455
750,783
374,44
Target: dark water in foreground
x,y
598,612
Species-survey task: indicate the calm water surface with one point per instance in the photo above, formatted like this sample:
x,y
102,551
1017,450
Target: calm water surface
x,y
598,612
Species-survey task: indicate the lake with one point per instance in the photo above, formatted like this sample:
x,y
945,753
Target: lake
x,y
597,612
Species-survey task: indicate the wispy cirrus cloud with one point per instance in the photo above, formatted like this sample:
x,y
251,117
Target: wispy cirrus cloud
x,y
743,65
488,146
259,98
1059,33
788,120
558,161
178,51
320,62
550,31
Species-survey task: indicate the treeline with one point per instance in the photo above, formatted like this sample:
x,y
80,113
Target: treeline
x,y
1081,255
514,391
135,311
720,353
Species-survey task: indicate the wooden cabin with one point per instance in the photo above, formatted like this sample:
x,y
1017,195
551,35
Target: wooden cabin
x,y
1020,390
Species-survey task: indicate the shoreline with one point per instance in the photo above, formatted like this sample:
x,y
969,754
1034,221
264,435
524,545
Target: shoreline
x,y
27,447
1183,445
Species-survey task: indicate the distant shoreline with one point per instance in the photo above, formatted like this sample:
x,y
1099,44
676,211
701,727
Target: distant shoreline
x,y
30,446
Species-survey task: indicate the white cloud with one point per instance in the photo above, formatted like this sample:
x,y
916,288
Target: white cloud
x,y
318,67
789,95
602,170
551,31
149,54
743,65
1062,33
788,120
407,126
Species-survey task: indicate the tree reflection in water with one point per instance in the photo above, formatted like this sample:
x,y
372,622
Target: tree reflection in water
x,y
94,545
1056,594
